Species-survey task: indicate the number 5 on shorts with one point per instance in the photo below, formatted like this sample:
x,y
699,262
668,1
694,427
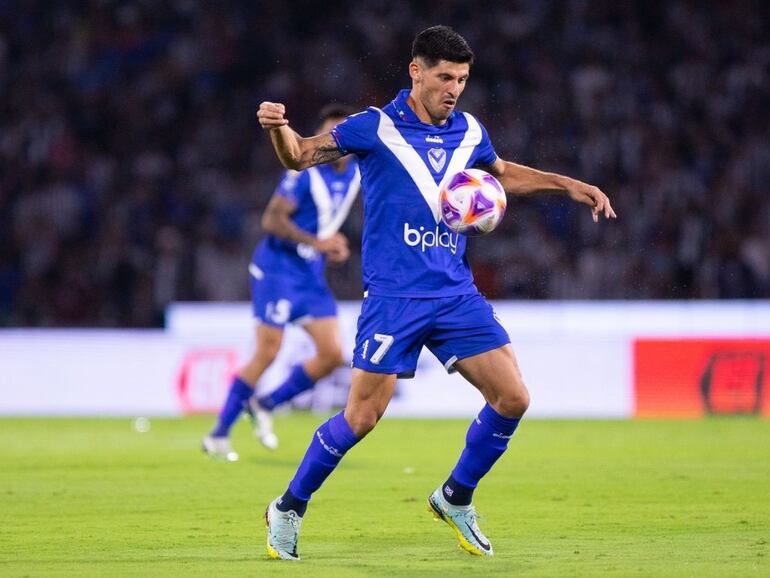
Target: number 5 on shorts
x,y
385,342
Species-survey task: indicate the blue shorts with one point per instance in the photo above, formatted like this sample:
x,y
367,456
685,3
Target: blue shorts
x,y
281,299
393,330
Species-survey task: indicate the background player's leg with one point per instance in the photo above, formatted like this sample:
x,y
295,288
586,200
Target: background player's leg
x,y
268,342
325,334
496,375
369,396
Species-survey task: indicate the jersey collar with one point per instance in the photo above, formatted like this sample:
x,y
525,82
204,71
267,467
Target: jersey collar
x,y
405,112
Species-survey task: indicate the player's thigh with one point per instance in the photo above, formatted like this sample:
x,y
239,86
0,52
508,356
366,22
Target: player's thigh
x,y
268,339
325,333
497,376
368,399
268,343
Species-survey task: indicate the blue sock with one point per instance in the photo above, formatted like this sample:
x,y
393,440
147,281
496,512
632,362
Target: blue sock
x,y
297,382
239,395
485,442
329,444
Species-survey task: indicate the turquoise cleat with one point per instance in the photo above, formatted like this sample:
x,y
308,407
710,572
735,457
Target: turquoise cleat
x,y
462,519
282,532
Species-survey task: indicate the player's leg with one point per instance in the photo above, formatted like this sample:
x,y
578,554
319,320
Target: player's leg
x,y
369,396
496,374
268,343
315,309
325,334
390,335
473,342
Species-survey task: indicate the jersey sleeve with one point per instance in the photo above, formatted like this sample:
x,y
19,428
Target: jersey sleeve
x,y
292,187
485,152
357,133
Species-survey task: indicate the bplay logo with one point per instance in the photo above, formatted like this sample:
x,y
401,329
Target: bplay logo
x,y
422,238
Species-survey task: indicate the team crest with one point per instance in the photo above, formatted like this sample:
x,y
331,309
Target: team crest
x,y
437,158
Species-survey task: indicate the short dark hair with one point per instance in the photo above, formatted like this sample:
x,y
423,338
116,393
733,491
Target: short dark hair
x,y
335,110
441,43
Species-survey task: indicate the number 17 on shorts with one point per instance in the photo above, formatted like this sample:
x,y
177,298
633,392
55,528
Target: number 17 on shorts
x,y
390,334
384,342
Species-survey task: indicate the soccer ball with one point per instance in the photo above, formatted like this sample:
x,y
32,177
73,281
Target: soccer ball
x,y
472,202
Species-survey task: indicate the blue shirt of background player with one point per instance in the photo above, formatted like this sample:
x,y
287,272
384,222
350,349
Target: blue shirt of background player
x,y
406,250
284,258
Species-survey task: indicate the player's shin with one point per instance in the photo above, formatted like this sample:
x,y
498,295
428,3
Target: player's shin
x,y
236,401
297,382
330,442
486,440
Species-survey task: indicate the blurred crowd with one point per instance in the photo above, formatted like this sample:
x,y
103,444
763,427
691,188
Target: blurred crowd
x,y
133,172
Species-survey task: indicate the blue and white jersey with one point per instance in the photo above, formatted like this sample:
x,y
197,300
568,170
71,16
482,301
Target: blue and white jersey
x,y
407,251
323,198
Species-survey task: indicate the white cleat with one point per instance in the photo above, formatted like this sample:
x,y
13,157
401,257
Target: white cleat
x,y
262,420
219,449
463,520
282,532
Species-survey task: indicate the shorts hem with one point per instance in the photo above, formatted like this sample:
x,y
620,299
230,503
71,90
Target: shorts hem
x,y
305,319
408,372
420,295
449,365
260,321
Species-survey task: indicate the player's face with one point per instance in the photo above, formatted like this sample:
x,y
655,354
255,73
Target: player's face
x,y
439,87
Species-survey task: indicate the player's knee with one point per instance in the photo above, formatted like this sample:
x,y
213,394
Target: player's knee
x,y
330,359
267,351
514,403
362,421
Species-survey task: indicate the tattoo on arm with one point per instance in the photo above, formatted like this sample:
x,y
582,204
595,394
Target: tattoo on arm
x,y
326,154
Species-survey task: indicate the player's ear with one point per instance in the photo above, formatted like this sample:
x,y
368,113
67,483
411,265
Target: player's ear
x,y
415,70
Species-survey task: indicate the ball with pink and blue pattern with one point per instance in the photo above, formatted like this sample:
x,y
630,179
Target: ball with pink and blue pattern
x,y
472,202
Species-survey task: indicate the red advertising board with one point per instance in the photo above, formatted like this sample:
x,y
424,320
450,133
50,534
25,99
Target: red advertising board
x,y
696,377
203,378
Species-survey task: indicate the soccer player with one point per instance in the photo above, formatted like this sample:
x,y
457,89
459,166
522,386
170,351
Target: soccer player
x,y
419,288
302,220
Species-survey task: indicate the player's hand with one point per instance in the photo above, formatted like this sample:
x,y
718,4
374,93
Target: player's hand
x,y
593,197
270,115
335,248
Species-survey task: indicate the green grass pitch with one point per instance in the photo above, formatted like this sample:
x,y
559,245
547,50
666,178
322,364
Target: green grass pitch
x,y
90,497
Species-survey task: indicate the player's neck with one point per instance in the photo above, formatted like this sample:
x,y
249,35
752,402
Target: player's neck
x,y
422,112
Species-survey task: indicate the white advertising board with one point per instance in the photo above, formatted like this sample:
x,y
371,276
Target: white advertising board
x,y
577,360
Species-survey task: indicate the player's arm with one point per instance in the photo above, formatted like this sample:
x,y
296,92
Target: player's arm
x,y
277,221
294,151
521,180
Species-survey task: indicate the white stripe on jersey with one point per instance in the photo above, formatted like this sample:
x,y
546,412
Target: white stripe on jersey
x,y
256,272
344,208
330,222
416,167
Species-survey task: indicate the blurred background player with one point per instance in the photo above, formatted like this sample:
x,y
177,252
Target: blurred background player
x,y
417,293
302,220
